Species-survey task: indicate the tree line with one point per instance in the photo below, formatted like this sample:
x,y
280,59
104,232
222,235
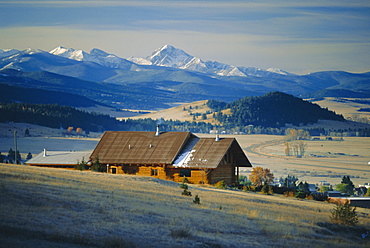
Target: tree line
x,y
267,114
56,116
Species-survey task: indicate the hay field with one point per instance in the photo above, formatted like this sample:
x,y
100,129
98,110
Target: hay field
x,y
345,106
45,207
324,160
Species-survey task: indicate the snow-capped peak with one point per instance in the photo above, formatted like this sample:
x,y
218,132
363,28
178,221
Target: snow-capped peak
x,y
96,55
278,71
7,52
69,53
98,52
169,56
61,50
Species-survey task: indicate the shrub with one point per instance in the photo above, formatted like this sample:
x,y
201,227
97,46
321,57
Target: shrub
x,y
344,214
289,193
266,189
96,166
185,180
82,165
221,185
368,192
184,186
185,192
300,194
250,188
196,200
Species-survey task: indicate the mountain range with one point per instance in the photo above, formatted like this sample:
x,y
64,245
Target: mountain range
x,y
166,77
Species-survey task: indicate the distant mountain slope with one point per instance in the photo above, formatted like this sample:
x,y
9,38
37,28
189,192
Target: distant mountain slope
x,y
118,96
168,76
336,93
55,116
11,94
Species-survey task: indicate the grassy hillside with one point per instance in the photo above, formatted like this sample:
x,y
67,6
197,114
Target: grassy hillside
x,y
348,107
185,112
62,208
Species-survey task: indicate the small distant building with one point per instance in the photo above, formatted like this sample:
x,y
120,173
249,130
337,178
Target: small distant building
x,y
312,188
334,194
171,156
59,159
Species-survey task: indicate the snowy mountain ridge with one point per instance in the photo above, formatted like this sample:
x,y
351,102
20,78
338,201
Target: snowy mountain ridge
x,y
170,56
165,56
96,55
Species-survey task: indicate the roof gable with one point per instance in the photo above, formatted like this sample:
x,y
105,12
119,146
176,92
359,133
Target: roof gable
x,y
140,147
208,153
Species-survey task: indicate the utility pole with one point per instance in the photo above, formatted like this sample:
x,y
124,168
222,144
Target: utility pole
x,y
15,144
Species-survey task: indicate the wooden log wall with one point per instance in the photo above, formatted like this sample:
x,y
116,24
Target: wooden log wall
x,y
225,172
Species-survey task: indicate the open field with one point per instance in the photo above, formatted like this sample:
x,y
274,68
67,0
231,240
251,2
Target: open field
x,y
324,161
45,207
182,112
345,106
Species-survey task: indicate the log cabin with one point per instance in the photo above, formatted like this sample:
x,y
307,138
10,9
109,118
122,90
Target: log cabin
x,y
171,156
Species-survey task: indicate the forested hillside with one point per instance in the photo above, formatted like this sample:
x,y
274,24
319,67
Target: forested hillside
x,y
273,109
55,116
11,94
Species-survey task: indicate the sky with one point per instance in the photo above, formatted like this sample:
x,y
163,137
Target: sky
x,y
293,35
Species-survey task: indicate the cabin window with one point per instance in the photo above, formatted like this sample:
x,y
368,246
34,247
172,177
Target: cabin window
x,y
114,170
154,172
185,173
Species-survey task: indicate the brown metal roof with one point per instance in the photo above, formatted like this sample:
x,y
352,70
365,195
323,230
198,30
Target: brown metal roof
x,y
140,147
208,153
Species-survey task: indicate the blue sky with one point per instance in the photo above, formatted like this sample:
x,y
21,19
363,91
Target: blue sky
x,y
297,36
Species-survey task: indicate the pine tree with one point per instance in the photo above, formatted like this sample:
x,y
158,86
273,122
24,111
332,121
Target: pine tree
x,y
344,214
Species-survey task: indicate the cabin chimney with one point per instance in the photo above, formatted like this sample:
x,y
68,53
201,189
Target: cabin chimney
x,y
217,137
44,152
157,132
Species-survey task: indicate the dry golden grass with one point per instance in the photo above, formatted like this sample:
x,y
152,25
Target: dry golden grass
x,y
45,207
346,106
184,112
